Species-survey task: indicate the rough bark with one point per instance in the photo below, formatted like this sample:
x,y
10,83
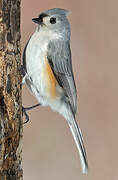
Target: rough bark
x,y
10,91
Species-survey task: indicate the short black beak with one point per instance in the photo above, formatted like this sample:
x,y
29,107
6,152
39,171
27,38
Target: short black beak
x,y
37,20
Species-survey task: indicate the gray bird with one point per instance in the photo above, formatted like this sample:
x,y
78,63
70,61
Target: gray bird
x,y
48,66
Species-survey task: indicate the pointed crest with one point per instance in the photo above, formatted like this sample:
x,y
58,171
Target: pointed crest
x,y
58,11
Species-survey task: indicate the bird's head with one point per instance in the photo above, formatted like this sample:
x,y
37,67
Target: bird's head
x,y
54,21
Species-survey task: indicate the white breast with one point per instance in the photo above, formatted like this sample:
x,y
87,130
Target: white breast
x,y
35,60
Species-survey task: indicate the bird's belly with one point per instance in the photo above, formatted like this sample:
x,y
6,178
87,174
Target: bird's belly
x,y
44,85
35,62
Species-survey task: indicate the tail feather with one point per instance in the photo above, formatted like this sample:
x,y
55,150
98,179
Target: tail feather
x,y
76,132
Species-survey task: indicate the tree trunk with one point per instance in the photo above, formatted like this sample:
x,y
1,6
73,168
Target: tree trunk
x,y
10,91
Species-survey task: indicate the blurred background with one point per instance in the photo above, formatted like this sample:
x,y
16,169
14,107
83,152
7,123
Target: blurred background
x,y
49,150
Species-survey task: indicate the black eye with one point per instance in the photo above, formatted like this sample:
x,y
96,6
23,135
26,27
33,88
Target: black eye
x,y
52,20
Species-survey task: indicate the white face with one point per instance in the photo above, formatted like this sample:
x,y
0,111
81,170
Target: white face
x,y
52,26
53,23
49,29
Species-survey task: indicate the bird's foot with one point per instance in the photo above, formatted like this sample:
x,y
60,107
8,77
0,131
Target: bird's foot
x,y
24,111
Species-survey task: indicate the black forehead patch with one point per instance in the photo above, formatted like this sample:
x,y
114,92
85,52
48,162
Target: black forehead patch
x,y
41,16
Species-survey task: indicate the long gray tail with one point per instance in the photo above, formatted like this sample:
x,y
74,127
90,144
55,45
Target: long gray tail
x,y
76,132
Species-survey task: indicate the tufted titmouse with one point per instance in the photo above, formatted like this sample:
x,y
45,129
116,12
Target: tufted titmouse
x,y
49,75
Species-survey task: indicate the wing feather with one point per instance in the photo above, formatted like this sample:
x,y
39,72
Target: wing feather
x,y
59,58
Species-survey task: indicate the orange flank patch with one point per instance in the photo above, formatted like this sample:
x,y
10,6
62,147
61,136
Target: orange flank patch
x,y
51,81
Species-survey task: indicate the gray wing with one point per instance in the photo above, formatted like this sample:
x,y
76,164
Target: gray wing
x,y
59,58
